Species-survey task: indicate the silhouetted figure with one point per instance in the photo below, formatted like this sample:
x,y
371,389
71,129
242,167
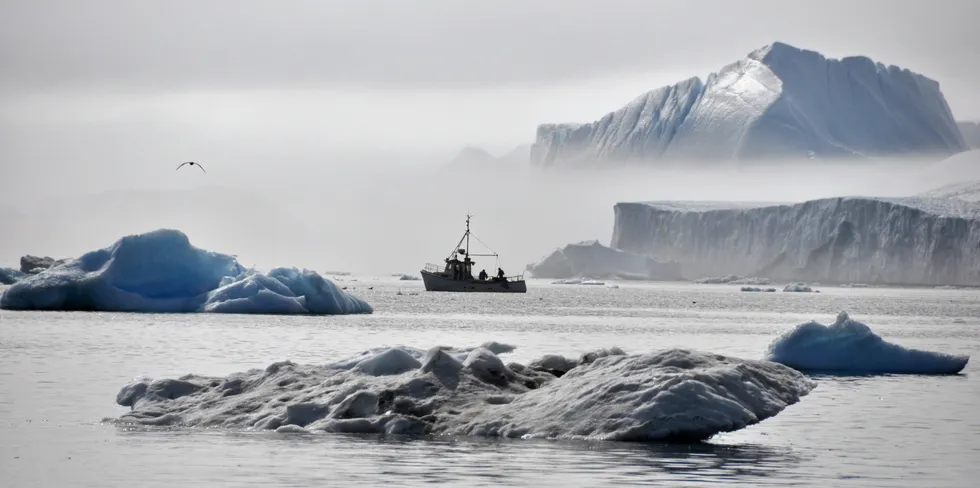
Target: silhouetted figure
x,y
483,275
192,163
500,273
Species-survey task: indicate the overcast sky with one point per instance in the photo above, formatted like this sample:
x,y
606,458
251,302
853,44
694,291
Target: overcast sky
x,y
113,94
437,72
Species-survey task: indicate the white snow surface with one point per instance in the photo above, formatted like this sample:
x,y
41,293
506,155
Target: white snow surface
x,y
674,394
911,240
590,259
964,190
780,101
848,346
162,272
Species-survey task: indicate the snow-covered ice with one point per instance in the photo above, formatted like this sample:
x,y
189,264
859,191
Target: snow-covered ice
x,y
875,240
780,101
963,190
604,395
161,271
590,259
848,346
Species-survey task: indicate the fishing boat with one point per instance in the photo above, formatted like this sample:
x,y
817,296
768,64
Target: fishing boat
x,y
457,273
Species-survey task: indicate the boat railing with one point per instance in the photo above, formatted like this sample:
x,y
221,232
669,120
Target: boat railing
x,y
519,277
433,268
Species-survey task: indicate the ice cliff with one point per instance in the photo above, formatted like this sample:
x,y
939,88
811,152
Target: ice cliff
x,y
161,271
780,101
971,133
589,259
604,395
912,240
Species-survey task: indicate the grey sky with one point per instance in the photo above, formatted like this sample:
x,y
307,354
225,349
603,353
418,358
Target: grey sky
x,y
306,102
182,44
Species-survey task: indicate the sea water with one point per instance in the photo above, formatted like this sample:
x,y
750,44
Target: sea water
x,y
60,372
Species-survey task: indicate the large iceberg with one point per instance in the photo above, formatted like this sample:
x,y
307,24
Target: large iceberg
x,y
964,190
911,240
779,102
674,394
971,133
161,271
590,259
849,346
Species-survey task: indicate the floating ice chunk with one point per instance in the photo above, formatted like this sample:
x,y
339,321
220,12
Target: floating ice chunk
x,y
161,271
607,395
797,288
851,347
578,281
733,280
757,289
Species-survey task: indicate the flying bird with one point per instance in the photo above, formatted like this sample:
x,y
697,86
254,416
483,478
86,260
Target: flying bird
x,y
192,163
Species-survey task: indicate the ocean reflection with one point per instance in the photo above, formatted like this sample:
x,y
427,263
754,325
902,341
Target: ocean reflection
x,y
371,459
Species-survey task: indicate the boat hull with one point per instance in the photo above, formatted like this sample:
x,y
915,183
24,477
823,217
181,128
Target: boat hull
x,y
436,282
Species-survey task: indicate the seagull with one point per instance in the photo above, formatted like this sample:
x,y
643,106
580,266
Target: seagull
x,y
192,163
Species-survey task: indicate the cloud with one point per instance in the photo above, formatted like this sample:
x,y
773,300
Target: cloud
x,y
181,45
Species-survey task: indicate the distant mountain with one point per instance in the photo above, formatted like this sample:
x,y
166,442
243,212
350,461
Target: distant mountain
x,y
971,133
779,102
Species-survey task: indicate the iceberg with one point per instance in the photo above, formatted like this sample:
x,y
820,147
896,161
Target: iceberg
x,y
9,276
733,280
873,240
971,133
964,190
778,102
606,395
593,260
849,346
798,288
162,272
757,289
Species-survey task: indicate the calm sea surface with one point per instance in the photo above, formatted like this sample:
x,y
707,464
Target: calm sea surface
x,y
60,372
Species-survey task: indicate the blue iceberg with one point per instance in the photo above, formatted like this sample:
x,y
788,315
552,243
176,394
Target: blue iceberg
x,y
9,276
162,272
848,346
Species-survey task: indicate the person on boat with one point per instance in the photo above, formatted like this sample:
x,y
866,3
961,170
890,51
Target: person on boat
x,y
483,275
500,273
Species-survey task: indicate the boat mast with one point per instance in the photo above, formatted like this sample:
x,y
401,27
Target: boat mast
x,y
468,235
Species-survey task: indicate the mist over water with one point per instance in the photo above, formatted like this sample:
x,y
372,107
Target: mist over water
x,y
381,214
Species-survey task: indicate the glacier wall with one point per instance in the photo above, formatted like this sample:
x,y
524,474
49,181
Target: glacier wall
x,y
971,133
780,101
914,240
